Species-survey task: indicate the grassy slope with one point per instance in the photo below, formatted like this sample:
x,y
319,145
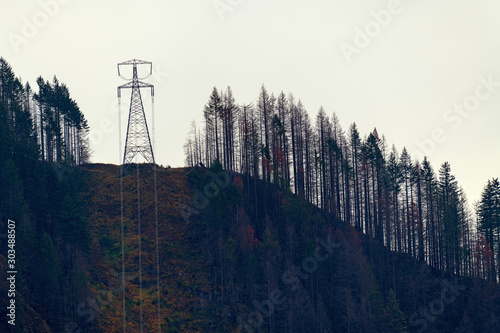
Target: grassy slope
x,y
184,281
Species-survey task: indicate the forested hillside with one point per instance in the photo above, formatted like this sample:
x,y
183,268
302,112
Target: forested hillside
x,y
404,203
42,138
280,264
276,225
239,254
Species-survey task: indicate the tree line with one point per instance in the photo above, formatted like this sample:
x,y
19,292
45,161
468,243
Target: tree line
x,y
48,118
401,202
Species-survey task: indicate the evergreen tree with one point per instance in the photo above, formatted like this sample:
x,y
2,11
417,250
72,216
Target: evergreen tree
x,y
489,221
449,218
395,319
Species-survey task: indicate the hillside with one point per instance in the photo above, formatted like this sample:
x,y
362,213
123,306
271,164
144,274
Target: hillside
x,y
237,254
324,230
184,276
248,257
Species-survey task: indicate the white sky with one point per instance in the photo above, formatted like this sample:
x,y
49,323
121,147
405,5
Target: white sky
x,y
429,57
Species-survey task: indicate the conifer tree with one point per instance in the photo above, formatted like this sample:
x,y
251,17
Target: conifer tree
x,y
489,221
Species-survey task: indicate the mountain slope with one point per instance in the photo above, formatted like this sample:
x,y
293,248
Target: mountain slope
x,y
241,255
183,275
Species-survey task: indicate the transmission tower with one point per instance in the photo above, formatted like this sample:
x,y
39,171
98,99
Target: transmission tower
x,y
137,140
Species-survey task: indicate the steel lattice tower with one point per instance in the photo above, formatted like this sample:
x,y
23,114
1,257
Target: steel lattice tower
x,y
138,142
137,139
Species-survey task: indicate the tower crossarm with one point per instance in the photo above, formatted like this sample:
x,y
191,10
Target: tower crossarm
x,y
134,63
139,84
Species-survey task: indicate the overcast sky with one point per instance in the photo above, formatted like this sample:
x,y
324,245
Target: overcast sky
x,y
425,73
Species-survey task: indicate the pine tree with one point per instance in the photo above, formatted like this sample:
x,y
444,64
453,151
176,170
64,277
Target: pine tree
x,y
395,319
394,179
489,220
213,111
448,203
355,142
265,110
429,194
405,165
